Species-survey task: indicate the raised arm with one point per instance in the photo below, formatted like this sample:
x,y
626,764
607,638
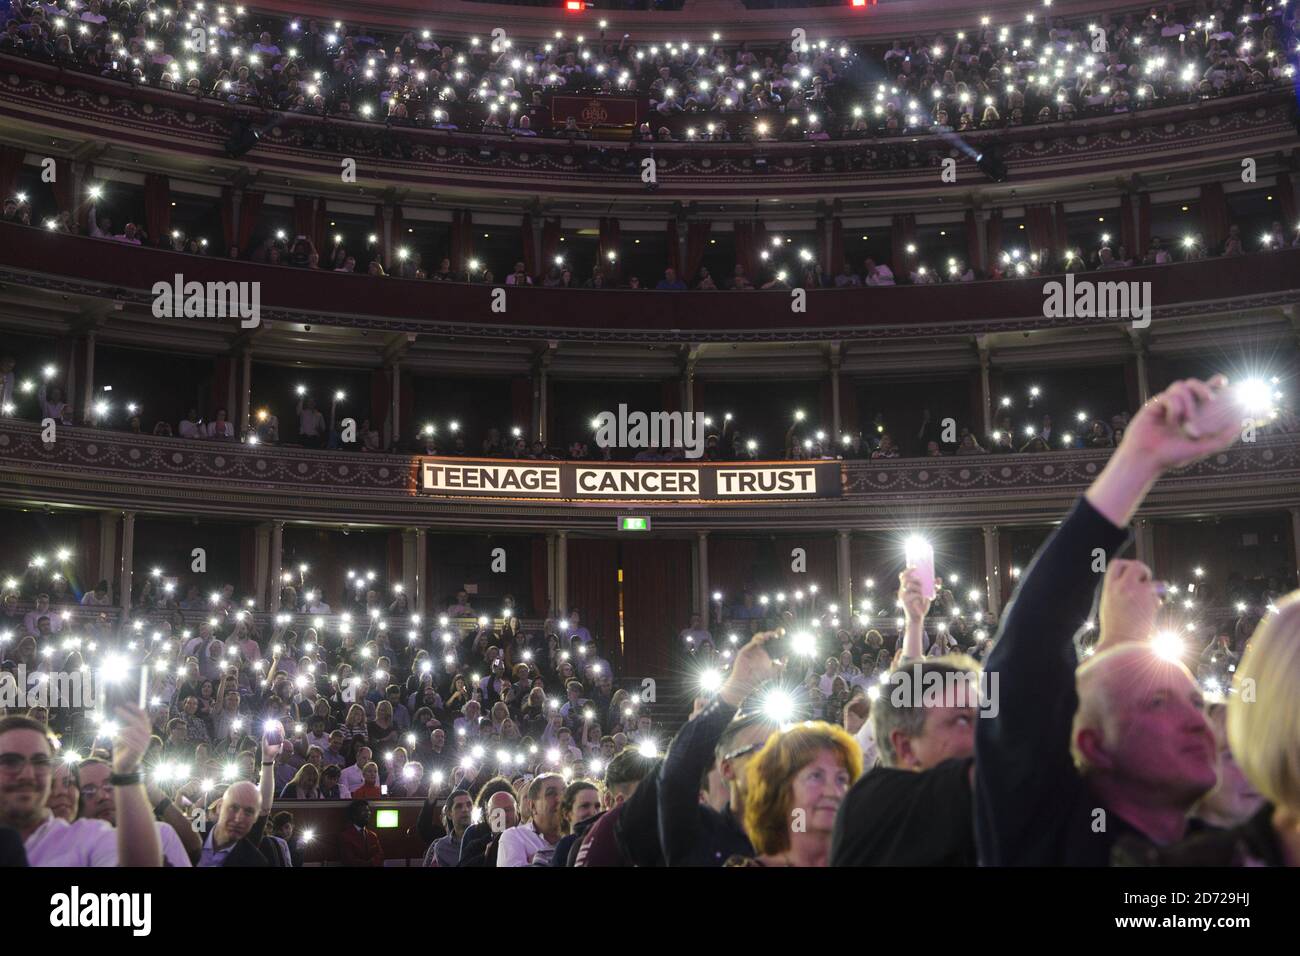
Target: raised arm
x,y
138,843
915,607
1025,747
691,752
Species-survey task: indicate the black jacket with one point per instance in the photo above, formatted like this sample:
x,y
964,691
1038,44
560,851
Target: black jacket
x,y
1253,843
12,852
690,833
1032,808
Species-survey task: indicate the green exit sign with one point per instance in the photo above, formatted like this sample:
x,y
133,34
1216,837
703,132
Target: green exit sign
x,y
633,524
385,819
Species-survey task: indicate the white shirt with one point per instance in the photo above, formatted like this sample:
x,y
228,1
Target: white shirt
x,y
188,429
89,600
56,842
519,845
351,779
220,430
173,850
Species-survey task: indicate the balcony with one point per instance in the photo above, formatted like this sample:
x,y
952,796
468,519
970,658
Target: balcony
x,y
88,467
67,266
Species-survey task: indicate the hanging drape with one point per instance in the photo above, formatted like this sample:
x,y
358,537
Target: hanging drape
x,y
539,571
380,402
1127,234
835,261
674,249
993,234
902,233
250,210
11,165
610,242
656,603
1214,217
158,209
1143,226
1038,224
309,221
529,251
1285,190
550,244
521,404
1062,231
593,588
973,257
462,240
697,240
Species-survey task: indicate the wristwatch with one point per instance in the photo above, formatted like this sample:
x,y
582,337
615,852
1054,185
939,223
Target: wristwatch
x,y
126,779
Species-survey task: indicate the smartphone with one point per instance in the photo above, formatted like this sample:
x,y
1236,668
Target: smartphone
x,y
1211,417
919,554
778,648
274,731
130,686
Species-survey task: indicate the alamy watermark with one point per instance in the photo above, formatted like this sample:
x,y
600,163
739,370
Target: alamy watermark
x,y
49,689
209,300
1089,299
651,430
916,688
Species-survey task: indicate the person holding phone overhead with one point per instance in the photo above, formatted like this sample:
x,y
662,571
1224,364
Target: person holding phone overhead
x,y
236,838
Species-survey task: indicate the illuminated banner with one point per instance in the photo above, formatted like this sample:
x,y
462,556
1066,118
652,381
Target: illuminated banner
x,y
619,112
581,481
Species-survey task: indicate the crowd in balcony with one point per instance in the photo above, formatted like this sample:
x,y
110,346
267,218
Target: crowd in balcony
x,y
1040,68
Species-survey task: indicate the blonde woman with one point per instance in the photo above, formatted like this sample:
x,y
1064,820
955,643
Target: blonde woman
x,y
795,786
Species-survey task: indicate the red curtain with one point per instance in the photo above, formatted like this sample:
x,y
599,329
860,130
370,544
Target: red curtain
x,y
462,240
734,565
1127,234
902,232
250,208
1143,226
593,589
1285,190
1062,230
309,220
674,249
550,244
530,248
1214,216
751,239
399,232
697,239
973,241
407,400
993,232
1038,223
537,579
11,164
848,406
65,192
670,395
835,262
656,603
395,557
158,209
610,241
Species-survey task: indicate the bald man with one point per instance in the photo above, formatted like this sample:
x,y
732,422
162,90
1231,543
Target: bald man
x,y
498,811
236,837
1074,763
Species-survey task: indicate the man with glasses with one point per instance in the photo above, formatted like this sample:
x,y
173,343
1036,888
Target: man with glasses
x,y
180,844
26,773
691,833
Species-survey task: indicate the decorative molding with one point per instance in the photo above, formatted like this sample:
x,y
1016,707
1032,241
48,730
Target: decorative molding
x,y
88,467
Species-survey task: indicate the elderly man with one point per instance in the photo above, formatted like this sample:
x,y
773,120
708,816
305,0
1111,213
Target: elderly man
x,y
1074,763
499,811
26,770
533,843
236,838
180,844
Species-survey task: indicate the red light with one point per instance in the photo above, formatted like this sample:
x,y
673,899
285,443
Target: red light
x,y
577,6
862,3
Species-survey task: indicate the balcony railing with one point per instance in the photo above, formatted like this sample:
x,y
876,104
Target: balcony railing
x,y
165,475
78,265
